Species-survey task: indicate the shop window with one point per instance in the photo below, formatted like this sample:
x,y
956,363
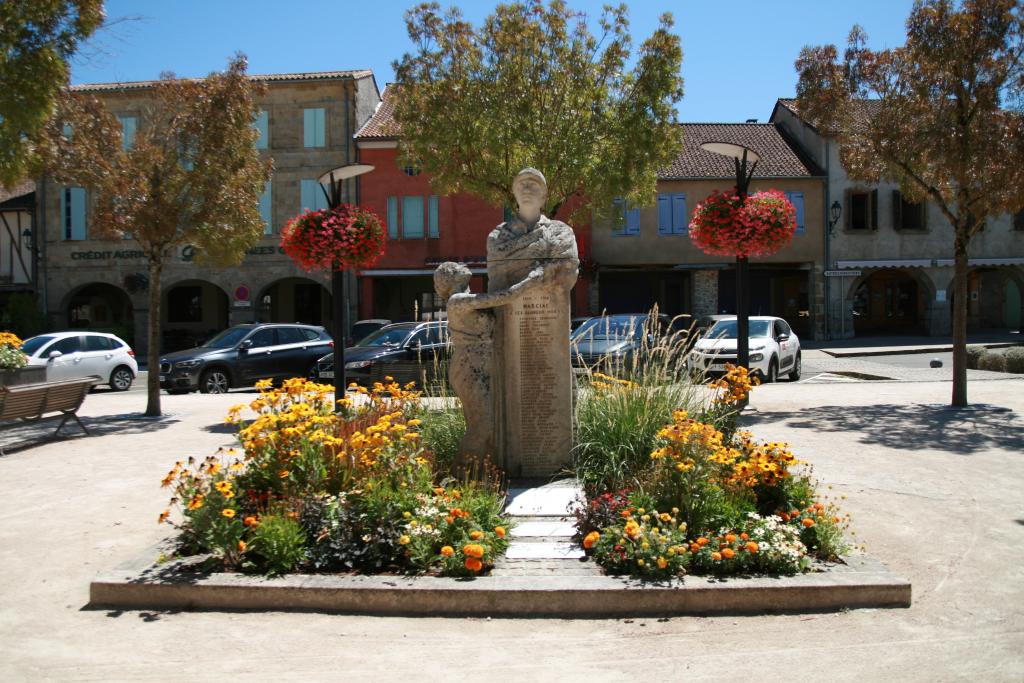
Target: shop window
x,y
907,215
185,305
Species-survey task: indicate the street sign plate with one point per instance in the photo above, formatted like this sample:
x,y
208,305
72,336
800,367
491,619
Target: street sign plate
x,y
842,273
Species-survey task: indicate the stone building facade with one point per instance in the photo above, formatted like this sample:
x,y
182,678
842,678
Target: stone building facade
x,y
649,258
891,262
306,124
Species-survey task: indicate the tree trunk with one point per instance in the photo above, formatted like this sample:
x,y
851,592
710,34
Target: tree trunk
x,y
153,353
960,321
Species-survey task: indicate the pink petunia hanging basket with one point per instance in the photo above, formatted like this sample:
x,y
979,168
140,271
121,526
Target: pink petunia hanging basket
x,y
725,226
348,237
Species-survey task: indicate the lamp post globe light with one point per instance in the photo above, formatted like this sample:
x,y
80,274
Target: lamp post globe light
x,y
330,184
741,156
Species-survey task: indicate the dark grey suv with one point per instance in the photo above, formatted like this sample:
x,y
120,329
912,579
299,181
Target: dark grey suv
x,y
241,355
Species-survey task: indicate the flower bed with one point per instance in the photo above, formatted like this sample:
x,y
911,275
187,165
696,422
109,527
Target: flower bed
x,y
709,499
352,491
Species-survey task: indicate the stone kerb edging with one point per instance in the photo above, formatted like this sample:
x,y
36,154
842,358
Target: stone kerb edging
x,y
861,582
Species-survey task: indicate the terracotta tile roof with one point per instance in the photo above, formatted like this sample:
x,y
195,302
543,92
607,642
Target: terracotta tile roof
x,y
863,111
381,125
23,188
307,76
779,158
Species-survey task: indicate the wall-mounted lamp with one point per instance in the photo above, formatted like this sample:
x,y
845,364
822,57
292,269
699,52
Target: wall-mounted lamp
x,y
835,211
26,237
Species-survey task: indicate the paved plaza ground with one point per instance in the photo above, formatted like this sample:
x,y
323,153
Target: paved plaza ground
x,y
936,495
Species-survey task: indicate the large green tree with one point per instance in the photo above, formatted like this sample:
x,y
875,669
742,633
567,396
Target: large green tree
x,y
940,116
192,176
534,87
37,37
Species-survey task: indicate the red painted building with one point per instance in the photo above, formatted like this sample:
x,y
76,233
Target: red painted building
x,y
424,229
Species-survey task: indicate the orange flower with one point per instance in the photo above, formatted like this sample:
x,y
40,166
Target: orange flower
x,y
473,564
716,556
730,538
694,548
447,551
727,553
702,541
662,563
473,550
751,547
449,519
499,531
784,516
242,546
476,535
744,536
808,522
163,517
590,539
252,521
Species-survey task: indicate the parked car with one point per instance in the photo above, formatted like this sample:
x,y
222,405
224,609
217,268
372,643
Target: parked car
x,y
612,342
241,355
408,352
774,348
70,355
361,328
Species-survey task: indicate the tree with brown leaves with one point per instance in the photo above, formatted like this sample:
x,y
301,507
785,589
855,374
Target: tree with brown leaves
x,y
946,121
192,176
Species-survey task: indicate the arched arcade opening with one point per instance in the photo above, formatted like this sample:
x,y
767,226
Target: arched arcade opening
x,y
295,300
102,307
191,312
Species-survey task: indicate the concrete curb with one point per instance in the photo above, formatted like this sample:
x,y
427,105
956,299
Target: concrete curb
x,y
907,350
861,582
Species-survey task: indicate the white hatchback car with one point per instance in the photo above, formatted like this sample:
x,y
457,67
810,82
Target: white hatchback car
x,y
774,348
69,355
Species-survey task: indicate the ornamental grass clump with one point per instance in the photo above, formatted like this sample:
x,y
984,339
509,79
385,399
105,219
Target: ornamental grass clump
x,y
710,499
993,361
1015,359
325,490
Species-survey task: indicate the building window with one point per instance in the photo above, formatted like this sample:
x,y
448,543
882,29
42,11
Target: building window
x,y
314,131
393,218
630,218
72,209
410,171
1018,220
412,217
312,196
185,305
262,126
862,211
266,210
128,126
672,214
797,200
907,215
433,225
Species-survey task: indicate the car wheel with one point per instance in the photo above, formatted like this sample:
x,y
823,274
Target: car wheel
x,y
773,372
121,378
794,375
214,382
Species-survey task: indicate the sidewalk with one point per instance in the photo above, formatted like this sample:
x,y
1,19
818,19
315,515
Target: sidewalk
x,y
891,345
934,492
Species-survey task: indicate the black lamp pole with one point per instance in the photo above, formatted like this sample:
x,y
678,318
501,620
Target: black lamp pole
x,y
339,310
742,275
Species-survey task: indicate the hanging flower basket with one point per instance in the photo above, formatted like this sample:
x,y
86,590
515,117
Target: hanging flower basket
x,y
335,239
761,226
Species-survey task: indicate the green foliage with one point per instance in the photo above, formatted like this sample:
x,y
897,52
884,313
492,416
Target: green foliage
x,y
278,543
992,361
22,316
533,87
974,354
442,431
1015,359
37,38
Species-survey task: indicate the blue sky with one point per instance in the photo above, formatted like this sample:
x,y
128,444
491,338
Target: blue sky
x,y
737,54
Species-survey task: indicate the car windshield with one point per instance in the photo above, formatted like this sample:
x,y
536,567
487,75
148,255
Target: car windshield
x,y
34,344
228,338
393,336
610,328
726,329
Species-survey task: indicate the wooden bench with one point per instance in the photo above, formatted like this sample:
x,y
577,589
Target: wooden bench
x,y
33,402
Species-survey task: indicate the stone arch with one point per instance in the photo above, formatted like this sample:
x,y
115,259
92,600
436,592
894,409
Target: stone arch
x,y
990,290
294,299
191,311
891,301
101,306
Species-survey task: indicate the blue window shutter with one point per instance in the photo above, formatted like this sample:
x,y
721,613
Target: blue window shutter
x,y
632,221
265,210
664,214
679,214
72,205
313,127
797,200
619,212
128,126
412,217
262,128
433,227
393,218
309,190
321,127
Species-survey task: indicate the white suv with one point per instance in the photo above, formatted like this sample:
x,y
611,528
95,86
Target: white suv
x,y
774,348
69,355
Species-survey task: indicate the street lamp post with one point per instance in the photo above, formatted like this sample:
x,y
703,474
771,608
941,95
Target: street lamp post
x,y
330,183
741,156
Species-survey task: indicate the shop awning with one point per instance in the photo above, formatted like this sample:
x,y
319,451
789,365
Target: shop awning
x,y
1010,261
886,263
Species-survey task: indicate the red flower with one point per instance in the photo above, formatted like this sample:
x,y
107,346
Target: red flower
x,y
760,226
334,239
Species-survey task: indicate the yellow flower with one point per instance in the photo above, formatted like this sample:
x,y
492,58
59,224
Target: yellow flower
x,y
283,474
228,512
662,563
195,503
403,540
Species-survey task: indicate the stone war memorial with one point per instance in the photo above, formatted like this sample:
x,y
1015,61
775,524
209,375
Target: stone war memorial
x,y
510,362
